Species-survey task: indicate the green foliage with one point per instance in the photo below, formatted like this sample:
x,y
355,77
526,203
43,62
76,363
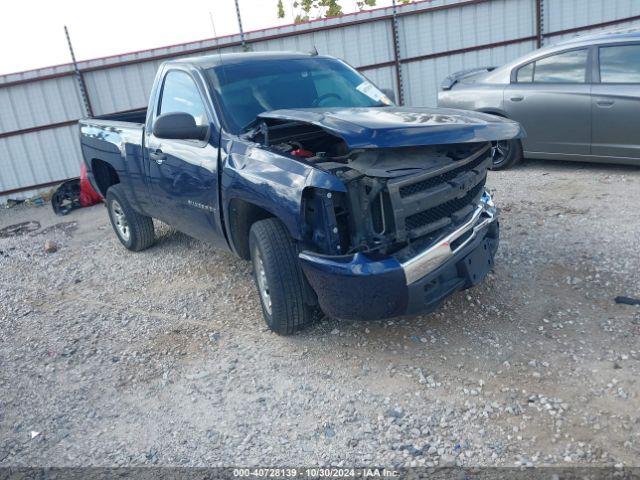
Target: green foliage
x,y
312,9
333,8
363,4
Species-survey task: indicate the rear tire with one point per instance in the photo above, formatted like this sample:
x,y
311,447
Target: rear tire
x,y
135,231
279,278
506,153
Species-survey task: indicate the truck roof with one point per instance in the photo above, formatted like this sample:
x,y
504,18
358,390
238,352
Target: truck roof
x,y
215,59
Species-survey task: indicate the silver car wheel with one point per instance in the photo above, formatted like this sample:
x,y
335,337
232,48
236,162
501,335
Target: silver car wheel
x,y
120,221
261,278
500,151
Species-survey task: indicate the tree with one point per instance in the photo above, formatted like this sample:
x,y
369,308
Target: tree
x,y
362,4
312,9
316,9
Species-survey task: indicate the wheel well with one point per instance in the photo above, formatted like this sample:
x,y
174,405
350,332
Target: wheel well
x,y
104,174
242,215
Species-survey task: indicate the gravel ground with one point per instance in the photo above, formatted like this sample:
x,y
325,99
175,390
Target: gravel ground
x,y
162,357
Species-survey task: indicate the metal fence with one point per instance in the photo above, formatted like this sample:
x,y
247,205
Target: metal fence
x,y
430,39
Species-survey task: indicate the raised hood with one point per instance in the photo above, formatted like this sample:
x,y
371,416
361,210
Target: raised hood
x,y
382,127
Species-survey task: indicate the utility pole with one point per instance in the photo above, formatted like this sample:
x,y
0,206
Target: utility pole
x,y
242,40
81,85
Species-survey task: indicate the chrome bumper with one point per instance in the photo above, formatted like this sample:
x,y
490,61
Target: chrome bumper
x,y
417,267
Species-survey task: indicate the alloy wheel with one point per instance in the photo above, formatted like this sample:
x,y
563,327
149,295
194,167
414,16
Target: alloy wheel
x,y
500,151
261,278
120,221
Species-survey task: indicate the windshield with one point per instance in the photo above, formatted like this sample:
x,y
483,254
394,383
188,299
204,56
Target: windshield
x,y
245,90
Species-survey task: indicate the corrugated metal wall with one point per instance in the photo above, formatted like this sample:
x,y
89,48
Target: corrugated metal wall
x,y
38,109
566,14
465,29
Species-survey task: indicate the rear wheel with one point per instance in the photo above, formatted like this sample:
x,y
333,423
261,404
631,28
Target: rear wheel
x,y
505,153
135,231
279,278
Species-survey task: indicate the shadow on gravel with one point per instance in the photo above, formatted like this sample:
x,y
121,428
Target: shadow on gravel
x,y
457,316
167,236
558,166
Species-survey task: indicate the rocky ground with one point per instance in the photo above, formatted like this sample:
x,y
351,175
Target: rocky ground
x,y
162,357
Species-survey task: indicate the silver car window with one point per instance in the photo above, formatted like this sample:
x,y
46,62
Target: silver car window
x,y
620,64
525,74
566,67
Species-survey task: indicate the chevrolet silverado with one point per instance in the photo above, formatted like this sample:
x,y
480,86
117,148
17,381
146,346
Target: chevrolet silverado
x,y
344,202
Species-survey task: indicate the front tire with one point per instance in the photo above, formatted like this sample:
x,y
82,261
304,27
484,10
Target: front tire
x,y
135,231
505,154
279,278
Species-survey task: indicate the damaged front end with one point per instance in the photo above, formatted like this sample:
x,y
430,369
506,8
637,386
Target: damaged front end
x,y
400,200
413,224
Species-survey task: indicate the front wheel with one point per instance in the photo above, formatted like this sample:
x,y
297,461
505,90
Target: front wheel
x,y
505,154
279,278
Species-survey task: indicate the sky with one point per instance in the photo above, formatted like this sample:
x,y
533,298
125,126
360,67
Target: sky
x,y
32,31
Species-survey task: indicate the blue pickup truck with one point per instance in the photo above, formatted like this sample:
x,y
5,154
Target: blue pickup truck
x,y
344,202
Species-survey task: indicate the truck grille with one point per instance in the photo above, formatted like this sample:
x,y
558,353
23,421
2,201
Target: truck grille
x,y
417,187
425,204
446,209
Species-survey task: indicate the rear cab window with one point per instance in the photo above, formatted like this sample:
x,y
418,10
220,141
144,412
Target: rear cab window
x,y
619,63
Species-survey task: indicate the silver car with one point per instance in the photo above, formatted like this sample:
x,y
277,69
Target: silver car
x,y
577,100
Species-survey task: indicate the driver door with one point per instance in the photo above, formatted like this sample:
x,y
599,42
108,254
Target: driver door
x,y
182,178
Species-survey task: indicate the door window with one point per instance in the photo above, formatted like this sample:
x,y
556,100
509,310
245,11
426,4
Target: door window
x,y
620,64
525,74
180,94
567,67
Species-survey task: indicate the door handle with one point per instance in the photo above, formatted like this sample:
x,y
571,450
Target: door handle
x,y
158,156
604,103
517,98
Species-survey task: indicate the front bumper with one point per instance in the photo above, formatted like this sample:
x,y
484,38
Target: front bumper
x,y
357,287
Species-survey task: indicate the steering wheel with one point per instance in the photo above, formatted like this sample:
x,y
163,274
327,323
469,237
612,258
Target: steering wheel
x,y
317,101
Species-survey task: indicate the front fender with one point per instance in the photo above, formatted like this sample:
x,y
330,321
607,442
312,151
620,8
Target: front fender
x,y
272,182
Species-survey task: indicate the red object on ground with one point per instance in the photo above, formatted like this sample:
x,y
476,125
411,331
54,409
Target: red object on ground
x,y
88,196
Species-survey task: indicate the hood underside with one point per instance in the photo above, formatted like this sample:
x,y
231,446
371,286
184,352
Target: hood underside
x,y
384,127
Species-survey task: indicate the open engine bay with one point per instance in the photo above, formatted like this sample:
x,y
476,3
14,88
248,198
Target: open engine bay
x,y
398,200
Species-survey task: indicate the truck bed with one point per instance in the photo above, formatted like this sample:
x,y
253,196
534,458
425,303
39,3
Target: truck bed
x,y
113,141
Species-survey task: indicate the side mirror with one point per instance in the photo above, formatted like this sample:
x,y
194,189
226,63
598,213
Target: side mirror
x,y
178,126
389,93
